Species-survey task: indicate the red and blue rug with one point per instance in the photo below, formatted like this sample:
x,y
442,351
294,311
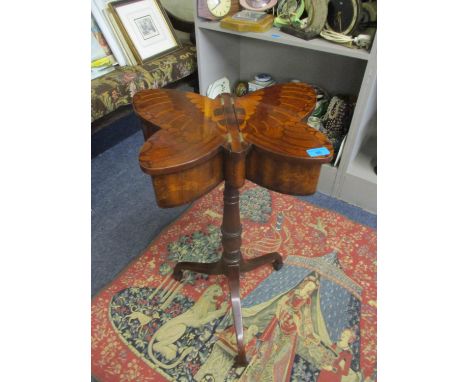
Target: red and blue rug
x,y
314,320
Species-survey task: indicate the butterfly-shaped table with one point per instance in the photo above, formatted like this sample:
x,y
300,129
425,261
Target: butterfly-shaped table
x,y
193,143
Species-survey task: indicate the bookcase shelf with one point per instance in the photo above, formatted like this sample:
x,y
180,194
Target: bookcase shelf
x,y
274,35
336,68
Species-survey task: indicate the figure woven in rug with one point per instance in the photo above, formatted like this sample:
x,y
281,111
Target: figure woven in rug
x,y
314,320
201,313
292,329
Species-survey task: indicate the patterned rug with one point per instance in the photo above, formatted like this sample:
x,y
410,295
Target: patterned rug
x,y
314,320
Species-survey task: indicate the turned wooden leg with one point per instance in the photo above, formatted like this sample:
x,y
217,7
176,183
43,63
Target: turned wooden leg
x,y
232,264
207,268
273,258
233,275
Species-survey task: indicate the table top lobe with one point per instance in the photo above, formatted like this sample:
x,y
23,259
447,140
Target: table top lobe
x,y
194,128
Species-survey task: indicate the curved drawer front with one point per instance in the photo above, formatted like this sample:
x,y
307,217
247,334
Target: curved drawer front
x,y
281,173
185,186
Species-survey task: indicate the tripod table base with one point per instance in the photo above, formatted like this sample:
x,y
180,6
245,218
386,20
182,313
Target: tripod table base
x,y
232,271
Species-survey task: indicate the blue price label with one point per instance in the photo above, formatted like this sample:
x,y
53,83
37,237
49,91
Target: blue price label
x,y
318,152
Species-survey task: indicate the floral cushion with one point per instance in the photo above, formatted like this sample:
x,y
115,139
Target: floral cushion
x,y
117,88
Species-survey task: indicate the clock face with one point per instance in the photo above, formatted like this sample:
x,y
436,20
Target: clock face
x,y
343,15
219,8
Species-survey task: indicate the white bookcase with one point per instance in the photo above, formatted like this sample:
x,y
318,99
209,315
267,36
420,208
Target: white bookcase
x,y
338,69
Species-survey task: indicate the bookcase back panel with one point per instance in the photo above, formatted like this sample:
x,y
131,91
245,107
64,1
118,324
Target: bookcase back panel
x,y
218,56
337,74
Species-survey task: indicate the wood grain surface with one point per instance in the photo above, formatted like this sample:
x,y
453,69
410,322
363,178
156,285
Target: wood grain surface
x,y
264,128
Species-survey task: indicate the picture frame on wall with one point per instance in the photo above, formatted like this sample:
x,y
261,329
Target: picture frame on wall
x,y
145,27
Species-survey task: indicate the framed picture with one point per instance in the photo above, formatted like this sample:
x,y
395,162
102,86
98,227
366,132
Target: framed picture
x,y
145,27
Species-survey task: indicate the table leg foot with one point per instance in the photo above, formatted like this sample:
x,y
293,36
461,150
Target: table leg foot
x,y
238,362
206,268
273,258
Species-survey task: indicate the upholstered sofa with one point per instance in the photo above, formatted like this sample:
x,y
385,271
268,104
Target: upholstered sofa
x,y
112,117
117,88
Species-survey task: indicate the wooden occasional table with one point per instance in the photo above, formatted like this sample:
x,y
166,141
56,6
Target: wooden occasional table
x,y
193,143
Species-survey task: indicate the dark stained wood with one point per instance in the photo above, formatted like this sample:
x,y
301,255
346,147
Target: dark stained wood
x,y
273,121
193,143
232,263
180,187
185,130
294,177
148,129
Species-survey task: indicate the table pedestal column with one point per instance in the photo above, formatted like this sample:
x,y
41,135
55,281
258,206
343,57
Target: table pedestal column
x,y
232,264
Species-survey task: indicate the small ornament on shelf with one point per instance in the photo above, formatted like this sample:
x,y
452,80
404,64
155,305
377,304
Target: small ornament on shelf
x,y
311,26
218,87
248,21
261,80
242,88
336,121
217,9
